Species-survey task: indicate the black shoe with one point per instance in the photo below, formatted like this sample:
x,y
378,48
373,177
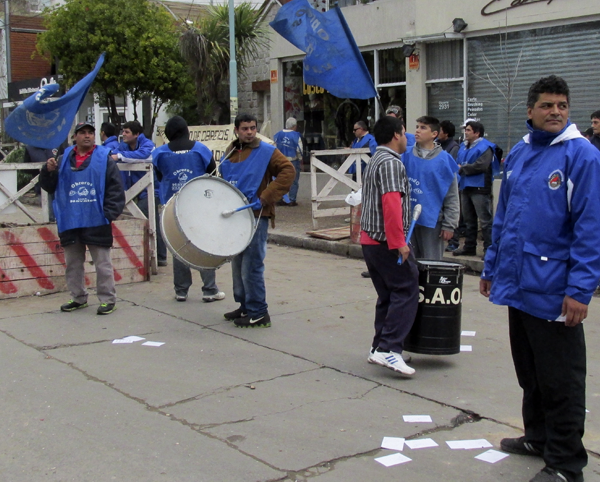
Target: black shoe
x,y
162,262
548,474
72,306
365,274
281,203
232,315
293,203
464,252
262,321
519,446
451,247
106,308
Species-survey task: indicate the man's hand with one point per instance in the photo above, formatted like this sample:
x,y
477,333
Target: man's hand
x,y
51,164
403,253
446,235
114,157
575,311
485,286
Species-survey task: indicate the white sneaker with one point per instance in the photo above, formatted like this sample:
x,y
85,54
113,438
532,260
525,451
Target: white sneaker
x,y
405,356
216,297
391,360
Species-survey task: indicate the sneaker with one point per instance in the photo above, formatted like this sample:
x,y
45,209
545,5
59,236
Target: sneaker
x,y
548,474
247,321
181,297
405,356
451,247
162,262
216,297
365,274
106,308
72,306
393,361
519,446
232,315
292,204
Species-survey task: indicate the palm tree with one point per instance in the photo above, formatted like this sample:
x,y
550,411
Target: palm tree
x,y
206,50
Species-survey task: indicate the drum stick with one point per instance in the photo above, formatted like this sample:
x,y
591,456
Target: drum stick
x,y
226,214
415,216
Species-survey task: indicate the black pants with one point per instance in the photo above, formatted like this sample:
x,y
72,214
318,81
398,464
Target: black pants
x,y
550,362
397,289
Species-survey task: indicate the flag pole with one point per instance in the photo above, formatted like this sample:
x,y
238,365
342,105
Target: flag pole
x,y
233,88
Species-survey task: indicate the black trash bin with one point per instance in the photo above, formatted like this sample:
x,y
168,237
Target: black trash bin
x,y
436,330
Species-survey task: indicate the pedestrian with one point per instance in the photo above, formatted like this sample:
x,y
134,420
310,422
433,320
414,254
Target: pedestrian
x,y
434,185
108,135
595,139
136,147
88,197
385,221
363,140
396,111
175,163
263,174
289,142
544,264
475,158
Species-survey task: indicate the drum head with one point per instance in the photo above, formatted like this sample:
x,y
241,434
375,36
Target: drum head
x,y
199,206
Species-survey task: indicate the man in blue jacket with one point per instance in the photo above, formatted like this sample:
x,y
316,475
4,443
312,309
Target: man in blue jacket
x,y
108,135
289,142
544,264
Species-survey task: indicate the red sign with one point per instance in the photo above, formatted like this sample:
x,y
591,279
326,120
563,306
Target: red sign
x,y
413,62
273,76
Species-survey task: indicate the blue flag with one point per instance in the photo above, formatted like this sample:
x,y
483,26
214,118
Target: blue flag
x,y
332,60
42,121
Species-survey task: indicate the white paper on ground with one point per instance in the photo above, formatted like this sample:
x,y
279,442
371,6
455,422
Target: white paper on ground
x,y
491,456
468,333
421,443
393,443
153,343
466,348
417,418
133,338
469,444
393,459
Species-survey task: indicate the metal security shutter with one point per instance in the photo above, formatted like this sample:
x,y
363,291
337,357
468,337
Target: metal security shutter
x,y
569,51
445,60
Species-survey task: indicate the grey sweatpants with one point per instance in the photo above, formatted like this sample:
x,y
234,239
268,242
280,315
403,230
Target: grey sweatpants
x,y
426,242
75,273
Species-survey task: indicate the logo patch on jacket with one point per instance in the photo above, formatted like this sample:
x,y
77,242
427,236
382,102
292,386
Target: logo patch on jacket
x,y
555,179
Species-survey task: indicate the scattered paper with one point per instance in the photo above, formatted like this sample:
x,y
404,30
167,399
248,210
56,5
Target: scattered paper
x,y
393,459
491,456
466,348
469,444
468,333
128,339
417,418
421,443
153,343
393,443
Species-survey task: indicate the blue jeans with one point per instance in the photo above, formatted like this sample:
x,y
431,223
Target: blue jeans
x,y
182,279
294,188
248,269
476,205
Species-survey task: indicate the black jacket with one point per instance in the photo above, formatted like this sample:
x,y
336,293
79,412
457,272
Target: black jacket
x,y
114,203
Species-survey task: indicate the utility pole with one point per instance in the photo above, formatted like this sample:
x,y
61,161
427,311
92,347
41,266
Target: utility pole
x,y
233,93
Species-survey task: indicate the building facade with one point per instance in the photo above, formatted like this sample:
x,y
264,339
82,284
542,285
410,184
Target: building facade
x,y
451,60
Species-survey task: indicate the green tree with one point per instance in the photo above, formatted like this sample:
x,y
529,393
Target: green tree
x,y
140,40
206,49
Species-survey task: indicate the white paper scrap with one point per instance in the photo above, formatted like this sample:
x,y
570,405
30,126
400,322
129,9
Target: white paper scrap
x,y
417,418
421,443
133,338
153,343
468,333
491,456
121,340
393,459
393,443
469,444
466,348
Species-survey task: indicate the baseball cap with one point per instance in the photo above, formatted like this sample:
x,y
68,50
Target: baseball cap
x,y
81,125
464,124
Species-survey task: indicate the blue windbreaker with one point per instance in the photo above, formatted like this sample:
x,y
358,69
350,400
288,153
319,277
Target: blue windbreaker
x,y
287,143
141,153
545,233
365,141
111,142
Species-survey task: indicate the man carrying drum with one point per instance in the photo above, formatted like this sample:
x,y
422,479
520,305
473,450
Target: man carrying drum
x,y
264,175
175,163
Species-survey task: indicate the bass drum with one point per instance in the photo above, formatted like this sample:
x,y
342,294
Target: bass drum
x,y
195,230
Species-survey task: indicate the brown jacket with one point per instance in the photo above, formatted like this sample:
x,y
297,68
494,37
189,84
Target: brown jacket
x,y
270,190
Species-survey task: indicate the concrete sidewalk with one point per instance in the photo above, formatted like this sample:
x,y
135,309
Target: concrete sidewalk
x,y
294,402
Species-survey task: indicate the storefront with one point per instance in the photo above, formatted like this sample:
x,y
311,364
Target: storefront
x,y
481,71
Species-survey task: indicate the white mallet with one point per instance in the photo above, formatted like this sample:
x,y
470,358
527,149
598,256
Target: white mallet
x,y
415,216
